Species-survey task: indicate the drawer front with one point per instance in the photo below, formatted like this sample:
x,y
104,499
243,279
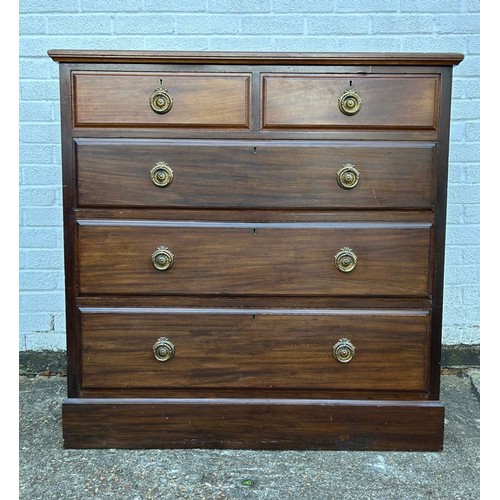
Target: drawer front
x,y
254,174
253,349
198,99
259,259
383,102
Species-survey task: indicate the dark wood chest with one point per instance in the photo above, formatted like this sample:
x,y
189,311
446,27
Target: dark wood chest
x,y
254,249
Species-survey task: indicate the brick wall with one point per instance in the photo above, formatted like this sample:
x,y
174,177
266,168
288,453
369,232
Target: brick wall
x,y
256,25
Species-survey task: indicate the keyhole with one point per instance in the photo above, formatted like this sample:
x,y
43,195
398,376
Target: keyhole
x,y
350,83
254,150
161,82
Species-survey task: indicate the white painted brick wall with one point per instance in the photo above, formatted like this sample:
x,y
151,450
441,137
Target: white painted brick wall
x,y
259,25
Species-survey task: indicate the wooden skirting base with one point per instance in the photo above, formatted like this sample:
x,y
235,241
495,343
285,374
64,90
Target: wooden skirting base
x,y
253,424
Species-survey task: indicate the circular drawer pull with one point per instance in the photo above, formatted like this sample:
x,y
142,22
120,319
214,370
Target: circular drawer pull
x,y
343,350
163,258
163,349
350,102
160,101
345,260
162,175
347,176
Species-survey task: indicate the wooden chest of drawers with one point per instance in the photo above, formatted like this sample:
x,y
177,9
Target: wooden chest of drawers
x,y
254,248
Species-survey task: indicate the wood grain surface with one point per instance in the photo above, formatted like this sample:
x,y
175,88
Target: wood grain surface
x,y
312,101
262,259
255,174
254,424
273,350
199,100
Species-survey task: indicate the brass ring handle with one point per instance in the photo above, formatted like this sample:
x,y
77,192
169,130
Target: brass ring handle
x,y
343,350
163,349
350,102
162,175
347,176
162,258
345,260
160,101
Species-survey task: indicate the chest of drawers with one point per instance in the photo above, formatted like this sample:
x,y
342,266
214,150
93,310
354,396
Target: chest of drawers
x,y
254,248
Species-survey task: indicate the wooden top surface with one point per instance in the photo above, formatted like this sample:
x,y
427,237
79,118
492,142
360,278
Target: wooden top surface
x,y
318,58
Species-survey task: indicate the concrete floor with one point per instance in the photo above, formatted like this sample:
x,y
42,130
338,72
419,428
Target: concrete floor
x,y
49,472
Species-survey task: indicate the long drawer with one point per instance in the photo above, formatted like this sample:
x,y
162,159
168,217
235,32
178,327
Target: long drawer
x,y
316,101
155,257
329,349
254,174
118,99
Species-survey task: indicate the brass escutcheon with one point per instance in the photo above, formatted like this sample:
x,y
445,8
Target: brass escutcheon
x,y
160,101
350,102
162,175
343,350
347,176
162,258
163,349
345,260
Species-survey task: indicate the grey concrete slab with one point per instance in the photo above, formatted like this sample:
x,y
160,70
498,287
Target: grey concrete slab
x,y
474,378
47,471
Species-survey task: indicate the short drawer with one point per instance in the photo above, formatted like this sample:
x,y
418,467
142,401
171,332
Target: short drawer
x,y
327,101
253,174
329,349
124,257
116,99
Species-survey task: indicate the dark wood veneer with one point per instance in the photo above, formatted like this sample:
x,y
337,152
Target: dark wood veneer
x,y
254,218
221,174
249,259
200,100
365,59
228,350
253,423
311,101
